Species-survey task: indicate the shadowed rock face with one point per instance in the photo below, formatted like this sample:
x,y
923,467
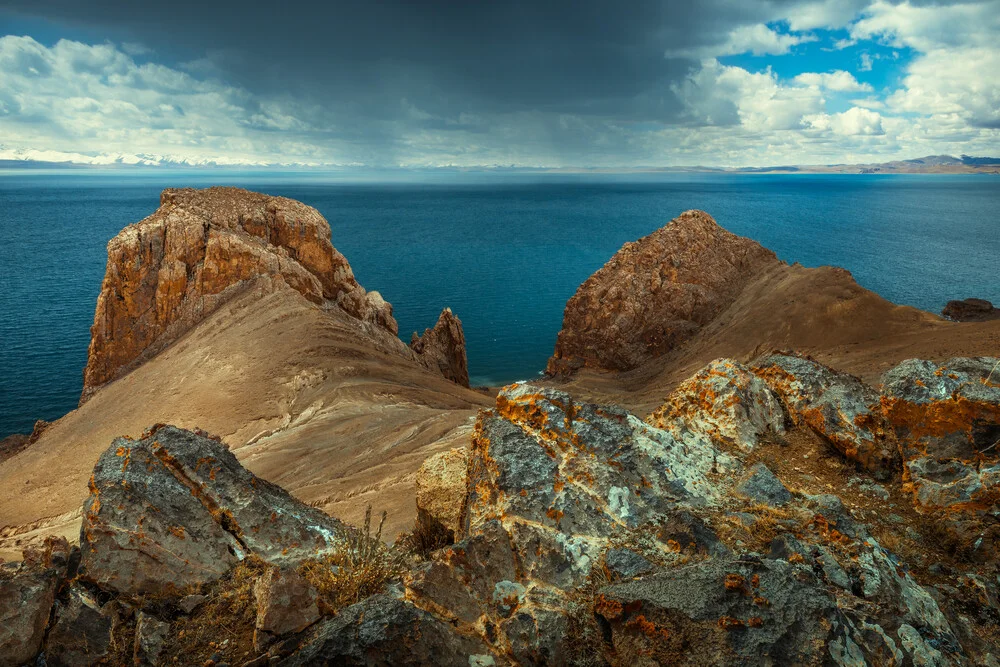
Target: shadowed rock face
x,y
971,310
655,293
176,509
169,271
443,348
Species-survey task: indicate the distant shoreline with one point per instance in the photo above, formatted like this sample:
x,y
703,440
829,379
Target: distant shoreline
x,y
933,164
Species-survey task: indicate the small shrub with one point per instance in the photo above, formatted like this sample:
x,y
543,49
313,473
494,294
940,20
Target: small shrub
x,y
428,535
361,568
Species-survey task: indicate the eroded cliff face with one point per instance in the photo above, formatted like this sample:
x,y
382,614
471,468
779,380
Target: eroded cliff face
x,y
443,348
199,249
656,293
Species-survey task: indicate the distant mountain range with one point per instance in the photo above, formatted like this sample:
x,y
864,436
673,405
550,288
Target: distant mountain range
x,y
932,164
45,159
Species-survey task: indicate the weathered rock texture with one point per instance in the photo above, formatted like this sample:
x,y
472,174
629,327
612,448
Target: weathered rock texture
x,y
947,419
27,592
176,510
171,270
441,488
656,293
569,503
839,407
726,400
443,348
970,310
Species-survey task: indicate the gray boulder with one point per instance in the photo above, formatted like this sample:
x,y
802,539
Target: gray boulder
x,y
175,509
838,407
384,630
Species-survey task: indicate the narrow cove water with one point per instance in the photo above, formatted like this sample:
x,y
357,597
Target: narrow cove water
x,y
504,254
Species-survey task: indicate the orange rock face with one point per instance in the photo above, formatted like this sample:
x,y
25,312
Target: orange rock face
x,y
169,271
443,348
655,293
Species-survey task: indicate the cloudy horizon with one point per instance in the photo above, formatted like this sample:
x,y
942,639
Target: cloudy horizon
x,y
554,84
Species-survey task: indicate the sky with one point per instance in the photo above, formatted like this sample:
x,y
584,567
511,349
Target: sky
x,y
535,83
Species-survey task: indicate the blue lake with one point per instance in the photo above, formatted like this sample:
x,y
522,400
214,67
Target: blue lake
x,y
505,253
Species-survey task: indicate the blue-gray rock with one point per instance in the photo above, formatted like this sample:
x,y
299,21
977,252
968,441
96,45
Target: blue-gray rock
x,y
764,486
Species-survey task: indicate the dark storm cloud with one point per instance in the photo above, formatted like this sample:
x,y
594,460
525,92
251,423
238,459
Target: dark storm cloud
x,y
585,56
408,82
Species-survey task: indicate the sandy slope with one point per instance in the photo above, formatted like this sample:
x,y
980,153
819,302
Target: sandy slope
x,y
313,400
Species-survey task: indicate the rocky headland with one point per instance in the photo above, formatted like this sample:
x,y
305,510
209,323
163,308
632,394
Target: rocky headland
x,y
735,462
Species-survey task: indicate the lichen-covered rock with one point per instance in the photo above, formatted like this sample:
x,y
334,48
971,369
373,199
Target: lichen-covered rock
x,y
575,509
725,401
286,604
736,611
174,268
947,420
561,476
441,482
27,592
176,509
945,411
443,348
655,293
839,407
81,634
384,630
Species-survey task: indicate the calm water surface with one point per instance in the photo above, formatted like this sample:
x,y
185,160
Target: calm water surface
x,y
504,255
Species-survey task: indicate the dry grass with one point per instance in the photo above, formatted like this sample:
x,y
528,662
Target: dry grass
x,y
362,568
757,535
224,623
585,637
427,536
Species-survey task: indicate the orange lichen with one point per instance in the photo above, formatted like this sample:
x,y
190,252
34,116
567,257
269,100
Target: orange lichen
x,y
609,609
647,627
177,531
796,558
735,582
730,623
755,622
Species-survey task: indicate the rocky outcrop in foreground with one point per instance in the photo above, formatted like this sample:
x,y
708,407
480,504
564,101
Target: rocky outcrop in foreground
x,y
171,270
579,534
656,293
443,348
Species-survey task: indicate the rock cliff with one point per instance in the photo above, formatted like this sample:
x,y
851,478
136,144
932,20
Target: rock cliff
x,y
443,348
656,293
168,272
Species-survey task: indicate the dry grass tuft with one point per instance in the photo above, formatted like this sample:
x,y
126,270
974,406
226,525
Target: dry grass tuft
x,y
586,638
224,623
428,536
757,535
362,568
